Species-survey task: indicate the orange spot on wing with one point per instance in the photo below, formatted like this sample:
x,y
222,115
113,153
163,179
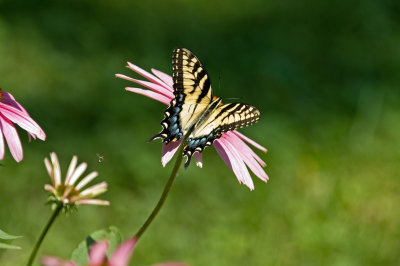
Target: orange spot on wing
x,y
214,98
220,104
175,139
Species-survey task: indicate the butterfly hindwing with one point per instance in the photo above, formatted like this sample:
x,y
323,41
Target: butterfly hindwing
x,y
223,118
192,91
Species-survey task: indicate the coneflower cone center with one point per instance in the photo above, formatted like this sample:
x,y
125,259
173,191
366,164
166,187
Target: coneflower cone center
x,y
66,192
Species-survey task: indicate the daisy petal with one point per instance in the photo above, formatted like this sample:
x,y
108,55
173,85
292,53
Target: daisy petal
x,y
164,77
12,138
93,202
78,172
97,254
71,169
56,169
94,190
122,254
168,151
51,189
86,180
151,94
49,169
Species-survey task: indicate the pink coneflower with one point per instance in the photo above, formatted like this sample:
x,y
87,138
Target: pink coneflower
x,y
231,146
67,194
70,192
12,112
98,256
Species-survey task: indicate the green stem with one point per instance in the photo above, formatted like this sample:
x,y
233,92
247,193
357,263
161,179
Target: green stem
x,y
44,232
164,195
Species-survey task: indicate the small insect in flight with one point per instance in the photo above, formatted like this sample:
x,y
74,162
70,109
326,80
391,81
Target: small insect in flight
x,y
100,157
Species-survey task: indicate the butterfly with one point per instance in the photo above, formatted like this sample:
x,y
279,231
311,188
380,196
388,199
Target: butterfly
x,y
195,110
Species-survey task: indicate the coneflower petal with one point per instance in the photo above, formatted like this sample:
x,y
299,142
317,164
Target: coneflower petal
x,y
12,138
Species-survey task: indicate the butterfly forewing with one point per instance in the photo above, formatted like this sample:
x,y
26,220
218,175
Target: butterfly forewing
x,y
192,90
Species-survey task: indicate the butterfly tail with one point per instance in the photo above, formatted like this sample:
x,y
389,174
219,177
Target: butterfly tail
x,y
188,156
157,136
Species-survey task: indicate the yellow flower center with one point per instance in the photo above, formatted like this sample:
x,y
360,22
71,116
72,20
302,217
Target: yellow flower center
x,y
67,192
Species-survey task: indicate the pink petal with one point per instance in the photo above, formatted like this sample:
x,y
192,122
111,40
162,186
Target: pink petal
x,y
23,120
245,154
154,87
54,261
97,254
51,189
10,100
168,151
255,156
147,75
93,202
12,138
76,174
199,159
122,254
164,77
86,180
233,160
252,142
1,144
151,94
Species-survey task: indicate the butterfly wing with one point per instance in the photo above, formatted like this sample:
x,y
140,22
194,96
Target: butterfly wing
x,y
193,95
222,119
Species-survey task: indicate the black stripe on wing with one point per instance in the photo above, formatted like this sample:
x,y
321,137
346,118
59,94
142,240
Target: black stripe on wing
x,y
190,82
189,75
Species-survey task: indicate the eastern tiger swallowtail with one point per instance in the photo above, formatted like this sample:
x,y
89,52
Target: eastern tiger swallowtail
x,y
194,108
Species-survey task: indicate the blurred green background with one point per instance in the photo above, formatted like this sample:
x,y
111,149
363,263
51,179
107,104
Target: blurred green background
x,y
324,74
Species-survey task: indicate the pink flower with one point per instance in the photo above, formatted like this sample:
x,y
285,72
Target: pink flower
x,y
69,193
12,112
231,146
98,256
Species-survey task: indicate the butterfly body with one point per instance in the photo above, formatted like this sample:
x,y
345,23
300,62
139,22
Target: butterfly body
x,y
194,109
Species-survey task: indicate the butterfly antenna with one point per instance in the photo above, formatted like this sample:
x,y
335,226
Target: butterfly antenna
x,y
219,83
234,98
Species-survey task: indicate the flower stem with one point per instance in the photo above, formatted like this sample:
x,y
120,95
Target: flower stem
x,y
44,232
164,195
